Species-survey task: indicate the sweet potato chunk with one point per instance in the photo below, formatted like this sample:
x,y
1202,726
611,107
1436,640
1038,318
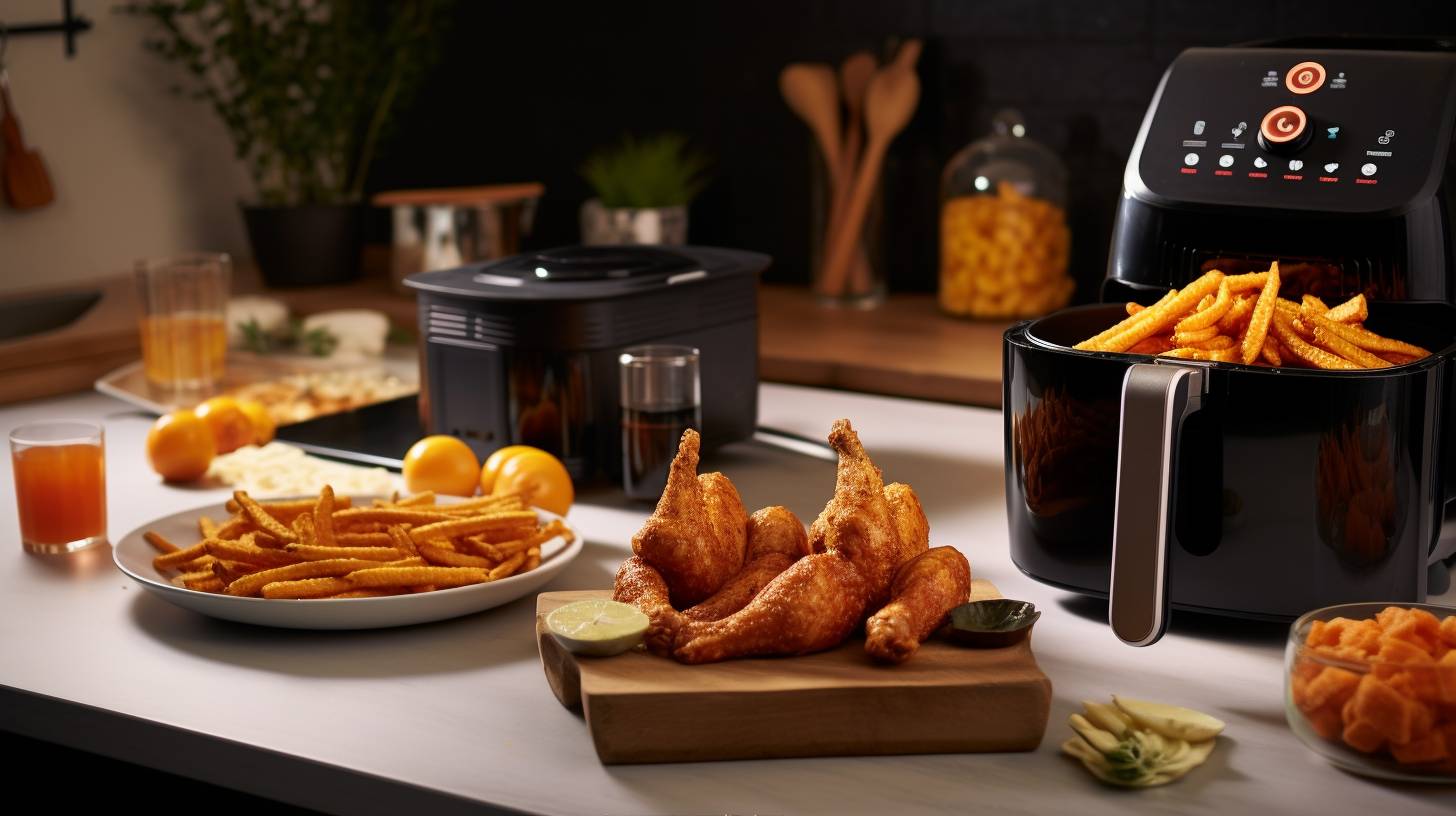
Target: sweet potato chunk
x,y
1383,708
1362,736
1331,687
1430,748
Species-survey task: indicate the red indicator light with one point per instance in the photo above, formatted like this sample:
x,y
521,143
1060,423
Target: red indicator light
x,y
1366,181
1258,175
1291,177
1328,179
1188,171
1223,172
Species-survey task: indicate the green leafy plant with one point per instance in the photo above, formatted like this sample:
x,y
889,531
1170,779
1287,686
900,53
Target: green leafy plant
x,y
291,337
308,89
657,171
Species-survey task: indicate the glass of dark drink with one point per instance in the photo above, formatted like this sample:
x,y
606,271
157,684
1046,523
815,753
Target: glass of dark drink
x,y
660,399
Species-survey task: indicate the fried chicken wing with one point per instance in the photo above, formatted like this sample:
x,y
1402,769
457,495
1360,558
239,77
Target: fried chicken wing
x,y
925,590
776,539
642,586
856,523
811,606
910,522
697,535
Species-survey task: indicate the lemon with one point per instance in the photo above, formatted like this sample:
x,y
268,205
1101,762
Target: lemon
x,y
599,628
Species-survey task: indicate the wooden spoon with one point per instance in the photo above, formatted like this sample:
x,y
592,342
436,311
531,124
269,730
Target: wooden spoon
x,y
890,101
23,173
854,78
811,92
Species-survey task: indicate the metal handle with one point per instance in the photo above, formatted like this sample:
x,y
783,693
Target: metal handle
x,y
1156,399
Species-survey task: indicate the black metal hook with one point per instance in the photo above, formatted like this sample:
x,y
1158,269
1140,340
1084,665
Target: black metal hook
x,y
71,24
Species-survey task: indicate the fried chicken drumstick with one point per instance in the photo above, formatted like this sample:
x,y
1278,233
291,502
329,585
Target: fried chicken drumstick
x,y
925,590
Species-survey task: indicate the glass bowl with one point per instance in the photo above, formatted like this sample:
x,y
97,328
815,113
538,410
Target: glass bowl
x,y
1376,696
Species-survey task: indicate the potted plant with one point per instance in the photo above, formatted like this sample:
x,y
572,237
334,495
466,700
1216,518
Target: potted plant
x,y
308,90
643,190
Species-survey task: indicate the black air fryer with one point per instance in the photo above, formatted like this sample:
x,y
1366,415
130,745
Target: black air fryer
x,y
1232,489
524,350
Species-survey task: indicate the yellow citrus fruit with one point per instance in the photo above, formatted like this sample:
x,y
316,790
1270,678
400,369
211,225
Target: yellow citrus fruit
x,y
180,446
263,425
443,464
540,478
231,428
493,465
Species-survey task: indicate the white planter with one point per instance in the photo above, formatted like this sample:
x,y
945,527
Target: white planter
x,y
626,225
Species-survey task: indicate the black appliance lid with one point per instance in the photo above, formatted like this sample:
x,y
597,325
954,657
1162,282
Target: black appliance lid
x,y
589,272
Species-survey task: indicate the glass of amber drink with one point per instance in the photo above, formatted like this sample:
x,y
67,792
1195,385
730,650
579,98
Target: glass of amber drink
x,y
60,485
183,326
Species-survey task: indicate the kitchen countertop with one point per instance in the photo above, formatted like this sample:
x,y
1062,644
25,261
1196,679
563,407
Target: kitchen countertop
x,y
454,715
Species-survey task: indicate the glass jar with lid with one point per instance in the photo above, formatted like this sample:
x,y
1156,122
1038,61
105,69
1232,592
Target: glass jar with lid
x,y
1003,227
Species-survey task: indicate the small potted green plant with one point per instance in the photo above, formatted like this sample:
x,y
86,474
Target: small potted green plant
x,y
643,188
308,90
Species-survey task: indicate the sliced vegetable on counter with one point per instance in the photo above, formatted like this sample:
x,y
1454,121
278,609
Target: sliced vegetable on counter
x,y
1138,744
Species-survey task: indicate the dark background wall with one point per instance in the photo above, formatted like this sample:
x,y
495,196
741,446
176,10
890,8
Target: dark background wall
x,y
526,90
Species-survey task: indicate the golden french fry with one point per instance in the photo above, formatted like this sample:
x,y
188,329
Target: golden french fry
x,y
1227,355
1314,304
323,518
508,566
229,571
253,583
307,588
417,500
260,517
439,556
1300,350
399,534
1208,317
1195,336
550,531
1354,310
1323,336
477,545
304,530
385,515
206,527
315,552
208,583
533,559
176,558
1215,343
197,564
1261,316
159,542
246,551
1370,341
1159,317
286,509
1095,342
1237,315
234,528
1247,282
1270,352
470,525
415,576
364,540
1134,307
377,592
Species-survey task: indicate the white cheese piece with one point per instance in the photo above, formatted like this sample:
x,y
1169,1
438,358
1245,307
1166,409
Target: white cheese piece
x,y
360,332
277,469
270,315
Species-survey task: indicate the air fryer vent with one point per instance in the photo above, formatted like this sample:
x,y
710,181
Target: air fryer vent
x,y
1332,277
459,324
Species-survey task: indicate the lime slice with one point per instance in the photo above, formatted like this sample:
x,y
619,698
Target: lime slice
x,y
598,628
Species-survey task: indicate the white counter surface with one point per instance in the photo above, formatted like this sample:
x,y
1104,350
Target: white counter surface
x,y
457,715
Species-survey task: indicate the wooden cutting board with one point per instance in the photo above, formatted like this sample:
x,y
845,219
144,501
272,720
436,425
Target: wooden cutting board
x,y
946,699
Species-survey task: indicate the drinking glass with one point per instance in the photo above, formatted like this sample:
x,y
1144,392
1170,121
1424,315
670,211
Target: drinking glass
x,y
660,399
60,485
183,325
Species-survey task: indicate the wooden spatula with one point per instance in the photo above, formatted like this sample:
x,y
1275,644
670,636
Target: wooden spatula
x,y
23,173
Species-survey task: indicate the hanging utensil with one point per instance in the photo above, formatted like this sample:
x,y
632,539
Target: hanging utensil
x,y
23,174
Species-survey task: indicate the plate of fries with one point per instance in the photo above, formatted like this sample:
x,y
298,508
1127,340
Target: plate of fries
x,y
1242,319
341,562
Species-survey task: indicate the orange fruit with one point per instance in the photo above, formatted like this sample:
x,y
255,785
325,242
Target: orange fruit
x,y
231,428
180,446
540,478
443,464
263,426
493,465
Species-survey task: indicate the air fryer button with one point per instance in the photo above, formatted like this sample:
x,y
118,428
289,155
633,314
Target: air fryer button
x,y
1284,130
1306,77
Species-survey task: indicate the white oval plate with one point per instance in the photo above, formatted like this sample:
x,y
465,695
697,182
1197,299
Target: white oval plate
x,y
133,556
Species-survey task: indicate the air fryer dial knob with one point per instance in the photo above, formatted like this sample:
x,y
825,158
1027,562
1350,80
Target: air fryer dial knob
x,y
1284,130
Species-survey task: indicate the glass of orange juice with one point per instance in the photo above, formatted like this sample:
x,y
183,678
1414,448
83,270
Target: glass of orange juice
x,y
184,332
60,485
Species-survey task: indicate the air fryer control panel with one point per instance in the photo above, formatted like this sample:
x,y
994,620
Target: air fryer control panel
x,y
1323,130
